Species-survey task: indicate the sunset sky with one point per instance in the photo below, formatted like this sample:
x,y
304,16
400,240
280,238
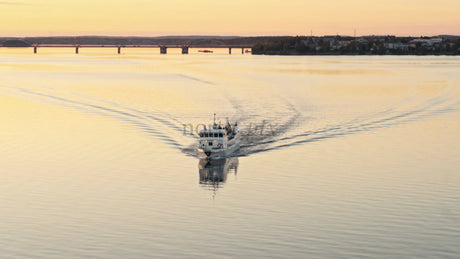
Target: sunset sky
x,y
235,17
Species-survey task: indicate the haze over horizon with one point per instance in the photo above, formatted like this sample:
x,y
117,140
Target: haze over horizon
x,y
243,18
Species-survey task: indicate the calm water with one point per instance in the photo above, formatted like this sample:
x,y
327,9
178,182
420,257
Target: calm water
x,y
343,156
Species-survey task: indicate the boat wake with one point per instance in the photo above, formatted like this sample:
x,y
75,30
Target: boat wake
x,y
390,117
272,129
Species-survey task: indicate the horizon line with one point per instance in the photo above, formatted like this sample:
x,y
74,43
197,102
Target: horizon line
x,y
225,36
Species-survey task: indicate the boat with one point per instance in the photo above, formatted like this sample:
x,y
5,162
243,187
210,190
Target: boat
x,y
205,51
219,141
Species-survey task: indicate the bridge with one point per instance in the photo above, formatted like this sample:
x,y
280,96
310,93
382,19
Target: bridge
x,y
118,48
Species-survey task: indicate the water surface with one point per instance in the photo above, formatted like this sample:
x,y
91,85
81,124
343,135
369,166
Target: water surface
x,y
342,156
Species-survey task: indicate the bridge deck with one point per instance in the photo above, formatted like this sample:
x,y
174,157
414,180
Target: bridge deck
x,y
130,46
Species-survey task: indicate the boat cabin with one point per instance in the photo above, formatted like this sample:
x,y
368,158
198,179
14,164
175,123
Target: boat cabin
x,y
213,139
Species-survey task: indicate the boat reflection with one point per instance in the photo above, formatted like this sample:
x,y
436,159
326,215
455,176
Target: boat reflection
x,y
213,173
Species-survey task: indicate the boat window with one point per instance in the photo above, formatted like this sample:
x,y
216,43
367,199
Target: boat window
x,y
216,135
210,143
205,135
201,135
221,135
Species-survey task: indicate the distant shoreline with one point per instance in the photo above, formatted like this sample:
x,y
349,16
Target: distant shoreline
x,y
334,45
350,55
163,40
369,45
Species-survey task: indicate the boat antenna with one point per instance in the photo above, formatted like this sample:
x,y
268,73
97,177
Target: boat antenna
x,y
214,118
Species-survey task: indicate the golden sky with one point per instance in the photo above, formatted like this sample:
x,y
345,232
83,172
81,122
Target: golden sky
x,y
234,17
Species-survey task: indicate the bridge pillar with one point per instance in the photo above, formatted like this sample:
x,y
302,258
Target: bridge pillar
x,y
163,49
229,50
76,50
35,50
184,50
119,50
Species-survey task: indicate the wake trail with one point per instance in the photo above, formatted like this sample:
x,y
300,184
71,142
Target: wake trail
x,y
283,120
150,124
393,117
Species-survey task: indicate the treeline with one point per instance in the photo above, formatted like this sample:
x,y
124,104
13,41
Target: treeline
x,y
282,46
113,40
